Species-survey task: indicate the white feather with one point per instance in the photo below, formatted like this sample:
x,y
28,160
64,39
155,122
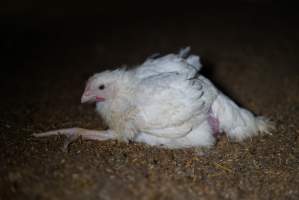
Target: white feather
x,y
165,102
180,63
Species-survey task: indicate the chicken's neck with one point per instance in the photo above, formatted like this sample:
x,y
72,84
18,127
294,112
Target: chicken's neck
x,y
113,109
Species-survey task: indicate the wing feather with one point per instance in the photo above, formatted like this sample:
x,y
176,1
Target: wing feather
x,y
169,102
182,63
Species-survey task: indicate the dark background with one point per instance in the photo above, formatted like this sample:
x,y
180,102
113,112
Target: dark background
x,y
249,49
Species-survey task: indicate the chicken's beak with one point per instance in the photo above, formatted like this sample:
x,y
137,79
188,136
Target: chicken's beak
x,y
89,97
86,98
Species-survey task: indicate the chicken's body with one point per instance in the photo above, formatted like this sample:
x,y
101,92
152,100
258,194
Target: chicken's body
x,y
165,102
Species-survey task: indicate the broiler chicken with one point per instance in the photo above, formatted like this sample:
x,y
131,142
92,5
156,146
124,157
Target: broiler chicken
x,y
164,102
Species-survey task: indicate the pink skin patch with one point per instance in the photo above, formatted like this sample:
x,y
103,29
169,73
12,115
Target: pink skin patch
x,y
214,123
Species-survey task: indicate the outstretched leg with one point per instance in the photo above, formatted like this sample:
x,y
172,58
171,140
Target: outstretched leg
x,y
74,133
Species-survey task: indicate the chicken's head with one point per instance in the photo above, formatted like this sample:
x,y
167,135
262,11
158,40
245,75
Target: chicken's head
x,y
99,88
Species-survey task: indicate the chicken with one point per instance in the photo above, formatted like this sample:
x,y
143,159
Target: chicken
x,y
164,102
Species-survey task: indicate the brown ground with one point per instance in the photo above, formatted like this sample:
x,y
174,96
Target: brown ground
x,y
251,53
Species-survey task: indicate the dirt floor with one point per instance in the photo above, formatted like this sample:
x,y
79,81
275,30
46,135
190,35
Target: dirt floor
x,y
251,53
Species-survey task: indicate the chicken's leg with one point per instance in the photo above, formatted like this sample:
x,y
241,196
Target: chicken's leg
x,y
74,133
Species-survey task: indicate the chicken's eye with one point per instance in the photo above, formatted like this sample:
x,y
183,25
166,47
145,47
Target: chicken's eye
x,y
102,87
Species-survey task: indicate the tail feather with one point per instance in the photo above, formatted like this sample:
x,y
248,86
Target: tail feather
x,y
264,125
239,123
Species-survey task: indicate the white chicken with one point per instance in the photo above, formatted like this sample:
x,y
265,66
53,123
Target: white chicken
x,y
164,102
